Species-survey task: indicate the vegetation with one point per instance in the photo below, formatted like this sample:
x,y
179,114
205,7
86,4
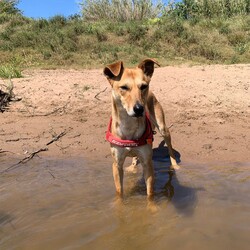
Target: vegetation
x,y
9,7
120,10
10,71
196,31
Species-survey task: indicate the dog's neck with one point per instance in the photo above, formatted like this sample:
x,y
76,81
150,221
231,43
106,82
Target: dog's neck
x,y
124,126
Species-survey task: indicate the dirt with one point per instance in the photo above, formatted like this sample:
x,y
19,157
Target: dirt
x,y
207,106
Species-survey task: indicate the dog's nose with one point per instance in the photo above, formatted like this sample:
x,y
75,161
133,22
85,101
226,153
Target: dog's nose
x,y
138,109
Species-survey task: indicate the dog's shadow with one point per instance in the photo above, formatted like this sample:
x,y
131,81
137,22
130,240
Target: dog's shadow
x,y
167,186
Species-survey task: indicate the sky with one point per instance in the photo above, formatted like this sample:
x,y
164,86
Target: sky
x,y
48,8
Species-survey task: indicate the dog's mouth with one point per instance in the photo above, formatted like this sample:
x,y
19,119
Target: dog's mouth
x,y
138,115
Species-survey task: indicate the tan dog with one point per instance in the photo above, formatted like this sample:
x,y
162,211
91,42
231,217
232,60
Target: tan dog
x,y
129,131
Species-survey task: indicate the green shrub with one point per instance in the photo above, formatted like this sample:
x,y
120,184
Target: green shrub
x,y
238,37
137,32
24,39
58,21
101,34
40,24
188,9
18,20
6,34
224,29
10,71
241,48
4,18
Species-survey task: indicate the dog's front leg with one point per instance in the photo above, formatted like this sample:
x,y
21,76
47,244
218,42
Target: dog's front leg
x,y
145,157
118,178
119,159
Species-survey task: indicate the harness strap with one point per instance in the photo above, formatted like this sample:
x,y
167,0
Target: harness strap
x,y
147,137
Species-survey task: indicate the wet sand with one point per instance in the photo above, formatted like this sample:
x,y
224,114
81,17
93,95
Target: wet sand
x,y
208,106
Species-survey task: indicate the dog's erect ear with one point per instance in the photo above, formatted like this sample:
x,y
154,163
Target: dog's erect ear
x,y
147,66
113,70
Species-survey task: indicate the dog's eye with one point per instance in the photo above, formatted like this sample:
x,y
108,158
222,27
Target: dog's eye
x,y
124,87
144,86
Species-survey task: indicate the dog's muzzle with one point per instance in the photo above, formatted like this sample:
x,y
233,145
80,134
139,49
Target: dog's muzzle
x,y
138,110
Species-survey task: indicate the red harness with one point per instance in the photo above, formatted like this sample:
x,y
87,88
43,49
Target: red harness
x,y
147,137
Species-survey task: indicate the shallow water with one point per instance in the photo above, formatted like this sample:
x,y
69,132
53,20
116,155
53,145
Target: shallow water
x,y
71,204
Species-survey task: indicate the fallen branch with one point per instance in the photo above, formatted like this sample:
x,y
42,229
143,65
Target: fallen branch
x,y
4,151
56,138
96,96
31,155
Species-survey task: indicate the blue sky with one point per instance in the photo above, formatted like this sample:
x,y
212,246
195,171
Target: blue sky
x,y
48,8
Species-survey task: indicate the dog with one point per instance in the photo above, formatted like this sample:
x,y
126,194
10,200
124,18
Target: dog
x,y
135,113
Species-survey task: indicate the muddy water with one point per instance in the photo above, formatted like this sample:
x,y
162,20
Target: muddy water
x,y
70,204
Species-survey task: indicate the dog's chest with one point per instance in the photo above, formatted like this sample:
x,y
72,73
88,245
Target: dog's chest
x,y
130,132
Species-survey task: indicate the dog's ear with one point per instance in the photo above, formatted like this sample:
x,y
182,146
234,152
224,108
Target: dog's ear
x,y
147,66
114,70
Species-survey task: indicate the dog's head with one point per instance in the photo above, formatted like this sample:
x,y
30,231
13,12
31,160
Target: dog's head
x,y
130,86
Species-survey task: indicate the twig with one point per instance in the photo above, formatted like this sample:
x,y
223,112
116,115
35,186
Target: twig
x,y
5,151
24,160
31,155
170,126
52,175
96,96
56,138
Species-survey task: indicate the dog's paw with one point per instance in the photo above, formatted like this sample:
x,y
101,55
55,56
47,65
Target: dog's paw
x,y
152,207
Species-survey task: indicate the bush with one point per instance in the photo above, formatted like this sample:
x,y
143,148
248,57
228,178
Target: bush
x,y
10,71
58,21
40,24
118,10
188,9
137,32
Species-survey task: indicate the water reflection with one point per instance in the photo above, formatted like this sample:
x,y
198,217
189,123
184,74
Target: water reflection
x,y
167,186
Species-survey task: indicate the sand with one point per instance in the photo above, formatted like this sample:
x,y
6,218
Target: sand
x,y
207,106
